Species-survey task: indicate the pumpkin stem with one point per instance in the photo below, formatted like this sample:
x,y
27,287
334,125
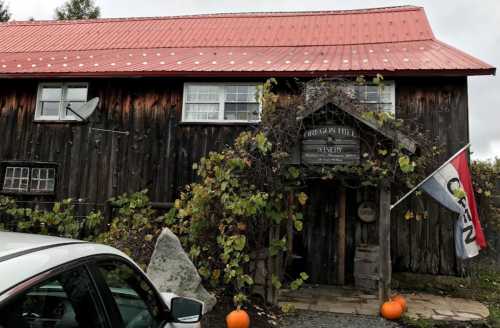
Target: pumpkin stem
x,y
238,308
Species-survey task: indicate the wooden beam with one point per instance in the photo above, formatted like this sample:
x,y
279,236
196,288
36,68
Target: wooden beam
x,y
385,268
341,236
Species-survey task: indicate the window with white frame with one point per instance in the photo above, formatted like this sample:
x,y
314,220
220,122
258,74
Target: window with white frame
x,y
43,179
55,98
25,179
16,179
229,102
381,98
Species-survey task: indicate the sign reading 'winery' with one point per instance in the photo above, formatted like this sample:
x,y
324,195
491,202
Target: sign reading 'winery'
x,y
333,144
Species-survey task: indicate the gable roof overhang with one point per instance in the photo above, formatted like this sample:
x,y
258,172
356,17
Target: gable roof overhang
x,y
342,101
390,41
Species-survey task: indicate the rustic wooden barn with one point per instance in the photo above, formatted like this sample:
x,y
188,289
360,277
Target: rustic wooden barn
x,y
172,89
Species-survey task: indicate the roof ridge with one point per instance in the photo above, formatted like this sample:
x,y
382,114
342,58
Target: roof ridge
x,y
218,15
219,47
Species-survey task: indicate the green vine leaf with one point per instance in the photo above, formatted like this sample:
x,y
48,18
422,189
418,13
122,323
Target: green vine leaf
x,y
276,282
405,164
299,225
239,242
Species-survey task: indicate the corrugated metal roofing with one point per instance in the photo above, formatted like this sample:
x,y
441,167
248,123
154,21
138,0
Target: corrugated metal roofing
x,y
386,40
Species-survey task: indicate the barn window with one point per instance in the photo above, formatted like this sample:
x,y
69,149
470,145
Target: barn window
x,y
223,102
381,98
43,179
25,179
55,98
16,179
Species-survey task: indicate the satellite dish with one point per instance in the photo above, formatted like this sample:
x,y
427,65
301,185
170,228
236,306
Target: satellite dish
x,y
83,112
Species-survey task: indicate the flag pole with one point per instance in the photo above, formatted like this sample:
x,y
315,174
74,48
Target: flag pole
x,y
430,176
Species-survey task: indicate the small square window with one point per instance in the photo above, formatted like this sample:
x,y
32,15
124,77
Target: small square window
x,y
54,99
42,179
16,179
380,98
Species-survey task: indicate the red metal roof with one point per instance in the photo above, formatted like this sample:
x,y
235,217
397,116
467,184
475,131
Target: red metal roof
x,y
395,40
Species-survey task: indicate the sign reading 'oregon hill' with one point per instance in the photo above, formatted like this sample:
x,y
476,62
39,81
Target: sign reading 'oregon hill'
x,y
332,144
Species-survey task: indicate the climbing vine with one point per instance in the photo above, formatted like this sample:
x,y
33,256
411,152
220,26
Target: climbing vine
x,y
249,199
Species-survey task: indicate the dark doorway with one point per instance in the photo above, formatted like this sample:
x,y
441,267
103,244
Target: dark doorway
x,y
315,248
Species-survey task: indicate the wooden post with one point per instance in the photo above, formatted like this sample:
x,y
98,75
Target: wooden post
x,y
384,229
341,236
273,268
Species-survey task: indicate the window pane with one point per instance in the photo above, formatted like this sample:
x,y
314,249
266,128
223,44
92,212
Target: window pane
x,y
35,184
240,93
241,111
197,112
202,93
50,185
51,94
50,108
137,301
76,93
68,300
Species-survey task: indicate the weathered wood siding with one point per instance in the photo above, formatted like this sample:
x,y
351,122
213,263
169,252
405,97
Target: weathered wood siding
x,y
159,152
94,166
440,105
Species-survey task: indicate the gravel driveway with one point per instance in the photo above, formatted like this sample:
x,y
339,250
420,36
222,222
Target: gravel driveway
x,y
310,319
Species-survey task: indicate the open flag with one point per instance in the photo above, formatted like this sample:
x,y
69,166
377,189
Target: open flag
x,y
451,185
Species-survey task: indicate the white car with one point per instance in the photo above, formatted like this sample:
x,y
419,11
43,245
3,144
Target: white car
x,y
64,283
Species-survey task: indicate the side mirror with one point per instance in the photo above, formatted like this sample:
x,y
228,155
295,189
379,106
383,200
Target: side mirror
x,y
185,310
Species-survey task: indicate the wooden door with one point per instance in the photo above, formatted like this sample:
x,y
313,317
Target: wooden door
x,y
316,246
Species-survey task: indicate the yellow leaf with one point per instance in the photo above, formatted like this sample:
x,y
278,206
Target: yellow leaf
x,y
302,197
408,215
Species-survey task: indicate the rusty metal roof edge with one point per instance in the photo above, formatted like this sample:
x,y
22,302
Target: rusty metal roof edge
x,y
260,74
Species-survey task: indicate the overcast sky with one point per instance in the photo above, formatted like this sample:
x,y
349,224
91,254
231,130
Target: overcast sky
x,y
472,26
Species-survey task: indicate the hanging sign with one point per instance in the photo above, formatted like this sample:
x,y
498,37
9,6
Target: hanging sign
x,y
330,144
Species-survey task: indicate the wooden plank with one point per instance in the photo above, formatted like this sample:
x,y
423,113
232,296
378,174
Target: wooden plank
x,y
385,243
341,236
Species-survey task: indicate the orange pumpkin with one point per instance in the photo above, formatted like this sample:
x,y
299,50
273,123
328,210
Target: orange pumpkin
x,y
238,319
391,310
401,300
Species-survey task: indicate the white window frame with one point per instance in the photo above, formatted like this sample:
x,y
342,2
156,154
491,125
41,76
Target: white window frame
x,y
62,110
39,179
222,102
29,179
13,178
386,84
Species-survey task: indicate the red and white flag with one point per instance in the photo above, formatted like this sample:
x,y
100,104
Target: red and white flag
x,y
446,186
